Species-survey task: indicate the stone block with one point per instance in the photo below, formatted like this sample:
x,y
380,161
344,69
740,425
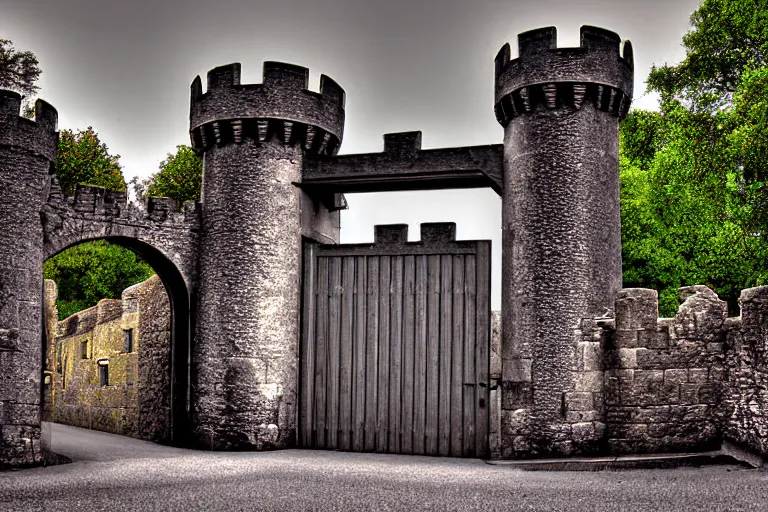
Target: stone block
x,y
627,358
698,375
675,376
516,395
626,338
583,431
592,356
588,381
636,308
579,401
517,370
653,338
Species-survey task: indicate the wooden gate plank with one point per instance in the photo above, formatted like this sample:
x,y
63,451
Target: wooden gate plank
x,y
457,357
307,348
446,327
382,425
470,351
334,324
372,349
409,328
420,357
395,353
321,351
482,362
358,390
346,349
433,354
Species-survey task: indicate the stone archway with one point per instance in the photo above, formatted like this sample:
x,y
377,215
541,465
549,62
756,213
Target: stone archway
x,y
178,296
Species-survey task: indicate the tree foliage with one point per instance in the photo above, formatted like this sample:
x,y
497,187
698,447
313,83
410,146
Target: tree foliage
x,y
694,207
91,271
180,176
83,158
18,69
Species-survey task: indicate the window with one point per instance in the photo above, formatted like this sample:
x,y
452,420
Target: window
x,y
128,341
58,357
84,349
103,372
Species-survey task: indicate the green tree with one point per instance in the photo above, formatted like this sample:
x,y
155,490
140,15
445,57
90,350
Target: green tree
x,y
180,177
694,203
18,72
83,158
91,271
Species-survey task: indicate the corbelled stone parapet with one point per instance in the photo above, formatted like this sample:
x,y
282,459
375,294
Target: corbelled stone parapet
x,y
550,77
281,106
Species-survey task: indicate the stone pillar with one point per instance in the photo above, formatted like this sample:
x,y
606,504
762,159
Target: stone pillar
x,y
245,356
561,241
27,153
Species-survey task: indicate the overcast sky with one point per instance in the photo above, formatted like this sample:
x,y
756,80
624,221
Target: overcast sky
x,y
124,67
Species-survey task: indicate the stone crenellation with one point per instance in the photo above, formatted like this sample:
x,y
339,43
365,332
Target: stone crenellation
x,y
281,107
553,77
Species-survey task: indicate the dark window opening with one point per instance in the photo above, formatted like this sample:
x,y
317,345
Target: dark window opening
x,y
103,373
128,340
84,349
58,357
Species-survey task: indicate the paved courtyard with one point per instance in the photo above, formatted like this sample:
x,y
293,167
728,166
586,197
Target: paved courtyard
x,y
117,473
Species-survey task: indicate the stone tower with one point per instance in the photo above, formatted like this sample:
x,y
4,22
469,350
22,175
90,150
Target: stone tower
x,y
27,154
254,139
561,232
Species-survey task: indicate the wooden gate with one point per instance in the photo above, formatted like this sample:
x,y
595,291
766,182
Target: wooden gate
x,y
395,344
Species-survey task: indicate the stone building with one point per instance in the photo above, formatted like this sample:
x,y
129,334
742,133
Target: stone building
x,y
282,337
108,365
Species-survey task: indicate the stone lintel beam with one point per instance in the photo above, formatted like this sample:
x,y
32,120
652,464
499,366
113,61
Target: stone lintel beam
x,y
405,166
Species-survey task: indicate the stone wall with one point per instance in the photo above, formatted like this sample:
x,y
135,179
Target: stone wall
x,y
136,401
644,384
744,402
663,375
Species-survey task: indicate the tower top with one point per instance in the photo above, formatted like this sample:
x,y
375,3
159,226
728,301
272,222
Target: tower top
x,y
39,137
282,95
544,73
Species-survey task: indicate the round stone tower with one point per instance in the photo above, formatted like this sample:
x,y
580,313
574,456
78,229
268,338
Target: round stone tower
x,y
254,139
561,231
27,154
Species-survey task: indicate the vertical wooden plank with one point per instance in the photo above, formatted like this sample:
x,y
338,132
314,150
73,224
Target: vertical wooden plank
x,y
321,352
346,344
358,391
409,328
334,324
307,349
482,361
446,328
470,334
457,356
372,352
395,353
420,356
382,437
433,354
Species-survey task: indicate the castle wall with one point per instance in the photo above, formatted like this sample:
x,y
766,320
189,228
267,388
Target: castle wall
x,y
136,401
27,153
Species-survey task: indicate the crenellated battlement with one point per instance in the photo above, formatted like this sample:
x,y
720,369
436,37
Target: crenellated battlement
x,y
599,70
39,137
97,203
281,106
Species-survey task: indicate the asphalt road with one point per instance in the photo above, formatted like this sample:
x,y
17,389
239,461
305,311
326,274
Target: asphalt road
x,y
118,474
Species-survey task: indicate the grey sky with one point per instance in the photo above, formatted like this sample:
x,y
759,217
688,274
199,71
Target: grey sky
x,y
124,67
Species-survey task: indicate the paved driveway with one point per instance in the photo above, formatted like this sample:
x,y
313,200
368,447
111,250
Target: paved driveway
x,y
118,474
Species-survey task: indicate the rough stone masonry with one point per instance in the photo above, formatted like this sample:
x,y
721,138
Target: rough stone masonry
x,y
580,366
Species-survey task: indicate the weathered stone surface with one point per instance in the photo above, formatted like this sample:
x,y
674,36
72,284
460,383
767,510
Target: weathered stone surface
x,y
27,152
561,251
